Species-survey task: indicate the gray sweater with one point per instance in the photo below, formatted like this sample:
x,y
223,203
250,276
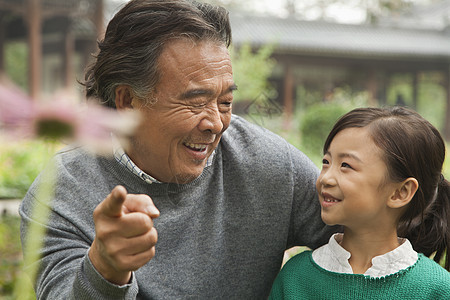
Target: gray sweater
x,y
221,236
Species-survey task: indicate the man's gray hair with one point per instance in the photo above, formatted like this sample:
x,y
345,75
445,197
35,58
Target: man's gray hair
x,y
135,38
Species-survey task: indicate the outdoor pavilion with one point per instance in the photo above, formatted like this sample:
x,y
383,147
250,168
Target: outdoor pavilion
x,y
364,55
64,29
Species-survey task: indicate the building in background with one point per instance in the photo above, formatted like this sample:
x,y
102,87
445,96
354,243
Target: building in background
x,y
318,57
312,56
60,37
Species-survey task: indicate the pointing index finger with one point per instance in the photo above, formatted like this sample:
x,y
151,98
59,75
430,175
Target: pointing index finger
x,y
113,203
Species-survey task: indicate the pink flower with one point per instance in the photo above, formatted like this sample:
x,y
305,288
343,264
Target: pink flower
x,y
61,117
16,111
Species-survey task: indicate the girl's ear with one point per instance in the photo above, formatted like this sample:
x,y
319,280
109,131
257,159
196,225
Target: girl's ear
x,y
124,98
404,193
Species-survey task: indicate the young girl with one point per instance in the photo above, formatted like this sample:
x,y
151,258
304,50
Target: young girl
x,y
381,179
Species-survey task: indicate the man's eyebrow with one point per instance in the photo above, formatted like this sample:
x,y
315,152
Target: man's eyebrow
x,y
195,93
204,92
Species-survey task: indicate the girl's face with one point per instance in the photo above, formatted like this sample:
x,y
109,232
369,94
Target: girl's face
x,y
353,187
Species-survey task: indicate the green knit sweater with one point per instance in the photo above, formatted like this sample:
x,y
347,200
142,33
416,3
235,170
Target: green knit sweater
x,y
302,278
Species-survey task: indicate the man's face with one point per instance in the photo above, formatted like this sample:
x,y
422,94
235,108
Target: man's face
x,y
192,110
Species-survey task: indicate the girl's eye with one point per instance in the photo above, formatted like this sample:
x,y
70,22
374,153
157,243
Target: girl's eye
x,y
325,162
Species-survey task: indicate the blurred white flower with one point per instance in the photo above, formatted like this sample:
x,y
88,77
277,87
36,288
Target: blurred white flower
x,y
62,117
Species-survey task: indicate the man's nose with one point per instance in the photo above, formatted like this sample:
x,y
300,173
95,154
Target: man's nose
x,y
212,120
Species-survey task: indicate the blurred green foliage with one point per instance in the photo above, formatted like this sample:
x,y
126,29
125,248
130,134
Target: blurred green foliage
x,y
318,119
20,164
11,253
16,63
251,71
317,123
431,98
11,257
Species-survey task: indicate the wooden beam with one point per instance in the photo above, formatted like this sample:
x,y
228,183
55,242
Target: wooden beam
x,y
372,88
384,84
99,19
415,89
34,18
68,53
288,91
2,42
427,64
18,8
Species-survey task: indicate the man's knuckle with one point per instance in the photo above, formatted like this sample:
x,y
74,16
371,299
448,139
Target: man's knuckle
x,y
144,221
152,237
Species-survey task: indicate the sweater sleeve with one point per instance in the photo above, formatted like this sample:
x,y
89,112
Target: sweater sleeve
x,y
89,284
306,225
277,292
290,276
65,271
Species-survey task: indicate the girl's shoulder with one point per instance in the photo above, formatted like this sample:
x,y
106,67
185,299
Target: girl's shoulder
x,y
428,275
428,267
301,259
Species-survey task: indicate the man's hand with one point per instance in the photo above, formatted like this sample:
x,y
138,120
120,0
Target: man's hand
x,y
125,238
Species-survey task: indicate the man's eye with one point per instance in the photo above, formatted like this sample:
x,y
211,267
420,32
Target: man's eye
x,y
198,103
225,106
346,165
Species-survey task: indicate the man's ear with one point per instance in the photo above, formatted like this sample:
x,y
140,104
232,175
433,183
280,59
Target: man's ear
x,y
124,97
403,193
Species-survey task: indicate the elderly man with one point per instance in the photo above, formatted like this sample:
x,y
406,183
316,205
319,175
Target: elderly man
x,y
202,204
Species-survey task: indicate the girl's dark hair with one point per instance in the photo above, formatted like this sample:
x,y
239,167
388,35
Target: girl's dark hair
x,y
412,147
136,36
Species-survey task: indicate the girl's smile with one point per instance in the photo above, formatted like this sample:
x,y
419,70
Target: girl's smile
x,y
329,200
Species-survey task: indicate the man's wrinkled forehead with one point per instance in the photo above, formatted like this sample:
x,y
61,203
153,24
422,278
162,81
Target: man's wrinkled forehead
x,y
195,59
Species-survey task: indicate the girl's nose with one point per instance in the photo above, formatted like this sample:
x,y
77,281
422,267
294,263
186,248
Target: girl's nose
x,y
327,178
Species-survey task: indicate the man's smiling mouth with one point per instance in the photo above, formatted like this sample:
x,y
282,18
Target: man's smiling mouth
x,y
196,147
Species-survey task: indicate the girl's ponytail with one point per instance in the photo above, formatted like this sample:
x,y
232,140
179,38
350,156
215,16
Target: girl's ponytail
x,y
432,233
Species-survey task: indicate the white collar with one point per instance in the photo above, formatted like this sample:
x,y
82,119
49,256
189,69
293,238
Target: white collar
x,y
333,257
123,159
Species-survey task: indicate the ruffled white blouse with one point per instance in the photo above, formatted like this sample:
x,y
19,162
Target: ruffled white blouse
x,y
333,257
